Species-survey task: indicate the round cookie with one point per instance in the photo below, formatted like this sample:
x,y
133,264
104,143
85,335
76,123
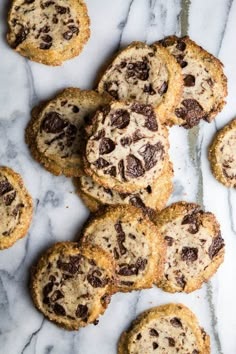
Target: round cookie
x,y
71,285
16,208
221,155
147,74
133,241
150,199
170,328
205,85
127,147
55,133
48,31
195,248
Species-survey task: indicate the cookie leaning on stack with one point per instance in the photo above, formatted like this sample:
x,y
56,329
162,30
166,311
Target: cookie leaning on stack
x,y
48,32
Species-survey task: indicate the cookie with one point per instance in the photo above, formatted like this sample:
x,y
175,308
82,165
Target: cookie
x,y
127,147
71,285
147,74
150,199
221,155
170,328
195,248
16,208
205,85
48,31
133,241
55,133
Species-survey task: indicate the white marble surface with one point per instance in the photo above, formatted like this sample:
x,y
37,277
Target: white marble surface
x,y
58,211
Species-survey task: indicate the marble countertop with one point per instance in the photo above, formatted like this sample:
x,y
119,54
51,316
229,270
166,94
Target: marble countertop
x,y
59,213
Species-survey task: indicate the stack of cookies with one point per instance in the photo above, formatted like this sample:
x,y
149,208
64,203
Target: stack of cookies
x,y
114,142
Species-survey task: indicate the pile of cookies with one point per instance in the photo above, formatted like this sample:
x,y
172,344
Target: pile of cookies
x,y
114,142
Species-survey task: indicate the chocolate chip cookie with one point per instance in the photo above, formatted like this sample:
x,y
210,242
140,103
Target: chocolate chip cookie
x,y
170,328
149,199
134,243
147,74
222,155
127,147
71,285
195,247
55,133
205,85
48,31
16,208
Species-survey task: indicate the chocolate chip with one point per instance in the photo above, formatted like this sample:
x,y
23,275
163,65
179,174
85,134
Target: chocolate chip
x,y
95,281
181,281
72,266
151,154
111,171
101,163
57,295
169,240
45,46
155,345
163,88
216,246
47,38
181,61
74,29
121,169
20,36
149,89
5,187
106,146
47,289
75,109
59,310
120,119
153,332
148,112
175,321
60,9
127,269
134,167
181,45
189,81
171,341
189,254
8,199
53,123
120,237
81,311
139,336
68,35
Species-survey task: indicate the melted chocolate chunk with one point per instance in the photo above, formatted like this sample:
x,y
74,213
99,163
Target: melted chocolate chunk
x,y
193,221
191,112
120,238
59,310
5,187
21,36
149,89
120,118
106,146
57,295
169,240
153,332
163,88
71,267
53,123
171,341
134,167
100,134
148,112
138,70
189,254
82,311
151,154
175,321
95,281
121,169
47,289
189,81
216,246
101,163
127,269
16,211
111,171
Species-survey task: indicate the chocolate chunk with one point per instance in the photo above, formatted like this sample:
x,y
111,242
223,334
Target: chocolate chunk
x,y
139,336
127,269
111,171
100,134
192,112
5,187
108,88
137,135
46,38
163,88
108,191
21,36
57,295
94,281
193,221
45,29
8,199
16,211
120,237
181,281
47,289
153,332
167,42
189,81
195,351
127,283
74,29
134,167
151,154
149,89
181,45
155,345
189,254
53,123
181,61
60,9
75,109
81,311
59,310
171,341
120,119
101,163
45,46
149,189
106,146
71,267
216,246
137,202
169,240
123,64
68,35
138,70
175,321
148,112
116,254
126,141
141,264
121,169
